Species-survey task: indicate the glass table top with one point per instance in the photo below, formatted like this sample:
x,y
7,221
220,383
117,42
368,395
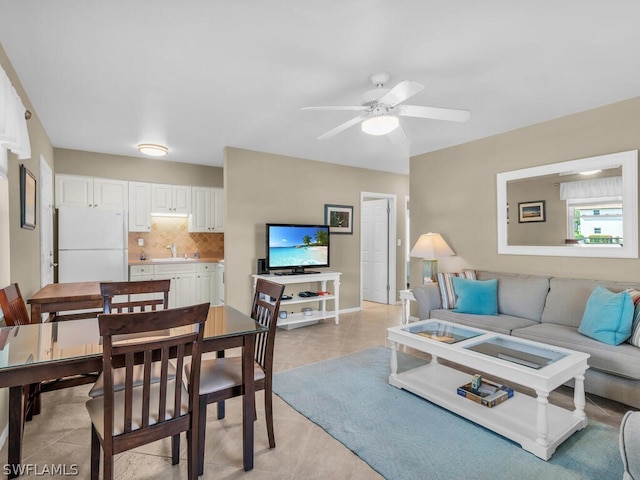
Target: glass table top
x,y
514,351
442,332
46,342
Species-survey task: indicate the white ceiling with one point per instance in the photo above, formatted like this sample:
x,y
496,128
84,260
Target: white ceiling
x,y
198,75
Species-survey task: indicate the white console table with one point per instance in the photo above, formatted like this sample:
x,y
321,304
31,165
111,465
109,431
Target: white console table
x,y
298,319
406,296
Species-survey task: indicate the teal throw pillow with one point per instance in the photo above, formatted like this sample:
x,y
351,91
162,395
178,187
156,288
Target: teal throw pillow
x,y
479,297
608,316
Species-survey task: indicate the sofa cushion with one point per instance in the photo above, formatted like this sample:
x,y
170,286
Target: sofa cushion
x,y
479,297
447,294
519,295
567,298
622,360
634,339
495,323
608,316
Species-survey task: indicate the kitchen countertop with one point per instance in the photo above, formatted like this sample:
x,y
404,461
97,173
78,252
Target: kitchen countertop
x,y
170,261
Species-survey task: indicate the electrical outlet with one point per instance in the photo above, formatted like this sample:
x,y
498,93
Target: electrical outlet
x,y
141,242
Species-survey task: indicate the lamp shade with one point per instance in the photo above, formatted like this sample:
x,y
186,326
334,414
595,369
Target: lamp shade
x,y
380,125
431,246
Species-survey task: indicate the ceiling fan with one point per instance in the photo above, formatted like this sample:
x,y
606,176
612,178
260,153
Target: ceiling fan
x,y
381,108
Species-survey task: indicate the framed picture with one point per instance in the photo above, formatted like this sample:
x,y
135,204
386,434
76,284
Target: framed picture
x,y
27,199
339,218
531,212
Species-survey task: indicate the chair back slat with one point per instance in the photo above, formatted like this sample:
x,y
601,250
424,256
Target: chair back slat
x,y
142,296
13,306
140,403
146,387
266,305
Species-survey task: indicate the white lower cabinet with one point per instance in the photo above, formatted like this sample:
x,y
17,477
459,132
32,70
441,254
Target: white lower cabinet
x,y
191,283
207,283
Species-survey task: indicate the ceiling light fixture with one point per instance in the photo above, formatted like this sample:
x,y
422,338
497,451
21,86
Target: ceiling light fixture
x,y
380,124
153,150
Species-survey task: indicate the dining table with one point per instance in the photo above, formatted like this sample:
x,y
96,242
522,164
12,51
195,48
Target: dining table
x,y
43,351
54,298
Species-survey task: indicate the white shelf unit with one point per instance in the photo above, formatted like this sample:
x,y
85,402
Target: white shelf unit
x,y
298,319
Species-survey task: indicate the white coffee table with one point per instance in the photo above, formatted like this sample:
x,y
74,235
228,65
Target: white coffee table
x,y
538,426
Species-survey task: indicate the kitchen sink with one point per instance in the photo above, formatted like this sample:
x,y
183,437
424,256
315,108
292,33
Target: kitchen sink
x,y
172,259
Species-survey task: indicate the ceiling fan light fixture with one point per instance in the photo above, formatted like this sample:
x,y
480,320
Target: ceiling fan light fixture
x,y
380,125
153,149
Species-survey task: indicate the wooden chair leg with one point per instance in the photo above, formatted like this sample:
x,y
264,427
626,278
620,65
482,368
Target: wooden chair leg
x,y
268,411
202,432
107,473
221,410
95,454
175,449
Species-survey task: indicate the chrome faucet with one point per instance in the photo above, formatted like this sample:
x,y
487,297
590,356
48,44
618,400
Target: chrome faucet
x,y
174,251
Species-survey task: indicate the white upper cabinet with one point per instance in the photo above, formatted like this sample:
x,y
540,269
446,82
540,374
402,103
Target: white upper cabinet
x,y
170,198
139,207
206,210
90,192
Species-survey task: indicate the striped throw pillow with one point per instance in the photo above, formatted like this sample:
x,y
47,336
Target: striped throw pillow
x,y
447,293
634,339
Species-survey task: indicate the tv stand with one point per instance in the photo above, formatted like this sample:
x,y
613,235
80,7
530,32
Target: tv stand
x,y
295,318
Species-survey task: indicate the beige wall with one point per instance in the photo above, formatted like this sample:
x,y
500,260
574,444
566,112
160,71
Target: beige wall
x,y
459,201
118,167
20,248
262,188
553,230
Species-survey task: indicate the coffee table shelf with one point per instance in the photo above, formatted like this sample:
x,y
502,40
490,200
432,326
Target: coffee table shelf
x,y
538,426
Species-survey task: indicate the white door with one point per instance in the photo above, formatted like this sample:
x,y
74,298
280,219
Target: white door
x,y
375,248
46,223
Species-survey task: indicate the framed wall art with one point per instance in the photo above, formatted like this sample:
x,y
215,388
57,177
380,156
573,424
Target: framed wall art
x,y
27,199
339,218
531,212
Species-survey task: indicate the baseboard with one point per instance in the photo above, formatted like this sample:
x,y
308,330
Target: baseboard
x,y
350,310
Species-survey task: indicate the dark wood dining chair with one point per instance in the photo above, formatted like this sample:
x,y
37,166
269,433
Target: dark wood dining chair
x,y
138,415
221,378
15,313
141,296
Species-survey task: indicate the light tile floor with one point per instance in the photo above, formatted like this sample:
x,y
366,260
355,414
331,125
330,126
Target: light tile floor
x,y
61,433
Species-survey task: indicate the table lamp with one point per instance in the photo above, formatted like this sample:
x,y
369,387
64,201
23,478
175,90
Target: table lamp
x,y
430,247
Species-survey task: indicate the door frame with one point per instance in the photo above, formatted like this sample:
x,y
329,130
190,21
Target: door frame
x,y
391,234
46,208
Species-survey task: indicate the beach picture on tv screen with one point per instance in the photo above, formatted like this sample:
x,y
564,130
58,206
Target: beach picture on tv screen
x,y
298,246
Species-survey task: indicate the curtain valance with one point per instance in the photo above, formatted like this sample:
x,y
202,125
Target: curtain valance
x,y
14,135
595,188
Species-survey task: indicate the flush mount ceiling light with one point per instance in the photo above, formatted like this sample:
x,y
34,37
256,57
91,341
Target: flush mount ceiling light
x,y
380,125
153,150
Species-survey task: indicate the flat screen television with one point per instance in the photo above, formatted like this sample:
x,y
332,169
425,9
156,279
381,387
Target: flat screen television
x,y
297,247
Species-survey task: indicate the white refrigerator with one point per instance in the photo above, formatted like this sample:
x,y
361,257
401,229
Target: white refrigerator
x,y
92,245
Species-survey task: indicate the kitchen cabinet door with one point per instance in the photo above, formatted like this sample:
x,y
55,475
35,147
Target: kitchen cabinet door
x,y
74,191
111,194
139,207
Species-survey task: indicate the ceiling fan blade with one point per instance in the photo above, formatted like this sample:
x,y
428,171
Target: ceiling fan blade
x,y
342,127
451,114
357,108
400,93
397,136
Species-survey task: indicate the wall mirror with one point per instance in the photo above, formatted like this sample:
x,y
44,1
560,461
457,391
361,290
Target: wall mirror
x,y
579,208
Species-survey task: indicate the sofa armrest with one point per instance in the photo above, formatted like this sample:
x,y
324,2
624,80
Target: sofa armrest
x,y
630,444
428,298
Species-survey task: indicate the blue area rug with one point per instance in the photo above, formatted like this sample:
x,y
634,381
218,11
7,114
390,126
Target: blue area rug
x,y
402,436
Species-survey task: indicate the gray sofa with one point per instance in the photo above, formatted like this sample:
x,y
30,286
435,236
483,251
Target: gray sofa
x,y
549,310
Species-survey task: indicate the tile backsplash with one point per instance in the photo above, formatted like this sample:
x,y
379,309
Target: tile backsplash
x,y
167,230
